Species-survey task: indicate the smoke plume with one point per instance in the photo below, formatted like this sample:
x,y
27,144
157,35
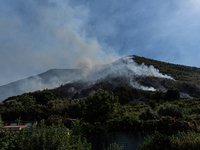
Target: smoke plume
x,y
38,35
125,67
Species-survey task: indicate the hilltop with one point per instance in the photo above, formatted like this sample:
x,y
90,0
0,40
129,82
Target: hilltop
x,y
178,72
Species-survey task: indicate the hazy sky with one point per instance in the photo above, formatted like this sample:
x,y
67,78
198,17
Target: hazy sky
x,y
37,35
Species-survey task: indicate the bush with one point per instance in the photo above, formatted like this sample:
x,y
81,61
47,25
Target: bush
x,y
168,125
44,137
190,119
129,122
115,146
152,103
158,96
1,122
148,114
172,94
180,141
157,141
100,106
170,110
185,141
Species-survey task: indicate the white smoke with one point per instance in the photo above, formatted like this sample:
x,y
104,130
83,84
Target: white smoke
x,y
125,67
44,35
85,64
141,87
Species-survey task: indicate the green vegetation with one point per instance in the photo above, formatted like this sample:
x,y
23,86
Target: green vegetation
x,y
99,113
100,104
102,112
43,137
1,122
178,72
115,106
115,146
180,141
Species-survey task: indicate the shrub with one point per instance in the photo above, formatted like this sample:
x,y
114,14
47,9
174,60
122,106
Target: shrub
x,y
168,125
1,122
44,137
158,96
100,106
170,110
185,141
180,141
190,119
129,122
157,141
115,146
172,94
152,103
148,114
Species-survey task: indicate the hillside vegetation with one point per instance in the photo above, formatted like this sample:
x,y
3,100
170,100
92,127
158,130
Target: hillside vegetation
x,y
111,105
178,72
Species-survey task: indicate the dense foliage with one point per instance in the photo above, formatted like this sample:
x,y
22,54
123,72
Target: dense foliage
x,y
180,141
101,113
1,122
43,137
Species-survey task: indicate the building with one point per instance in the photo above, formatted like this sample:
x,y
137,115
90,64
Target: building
x,y
14,128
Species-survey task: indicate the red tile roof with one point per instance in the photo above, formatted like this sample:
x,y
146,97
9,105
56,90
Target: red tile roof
x,y
15,126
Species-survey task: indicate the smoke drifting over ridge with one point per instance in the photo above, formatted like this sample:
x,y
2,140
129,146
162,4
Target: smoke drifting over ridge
x,y
124,68
39,35
127,68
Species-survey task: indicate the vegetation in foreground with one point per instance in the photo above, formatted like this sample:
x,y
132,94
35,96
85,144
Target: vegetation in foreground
x,y
172,117
181,141
43,137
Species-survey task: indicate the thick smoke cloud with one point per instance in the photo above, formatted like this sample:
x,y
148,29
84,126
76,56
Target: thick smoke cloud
x,y
125,67
39,35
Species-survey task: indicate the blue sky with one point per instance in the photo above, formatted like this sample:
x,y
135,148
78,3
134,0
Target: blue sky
x,y
37,35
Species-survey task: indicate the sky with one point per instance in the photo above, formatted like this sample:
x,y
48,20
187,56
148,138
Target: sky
x,y
38,35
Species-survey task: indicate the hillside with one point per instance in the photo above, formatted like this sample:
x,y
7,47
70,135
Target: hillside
x,y
155,76
122,96
178,72
130,71
47,80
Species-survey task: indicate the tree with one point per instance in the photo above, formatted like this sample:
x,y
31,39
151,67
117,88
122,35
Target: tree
x,y
172,94
43,97
1,122
99,106
26,100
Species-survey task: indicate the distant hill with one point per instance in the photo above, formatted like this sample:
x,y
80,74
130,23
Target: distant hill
x,y
47,80
130,71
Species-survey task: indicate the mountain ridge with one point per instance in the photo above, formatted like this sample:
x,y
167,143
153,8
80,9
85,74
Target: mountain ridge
x,y
52,78
175,70
134,68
